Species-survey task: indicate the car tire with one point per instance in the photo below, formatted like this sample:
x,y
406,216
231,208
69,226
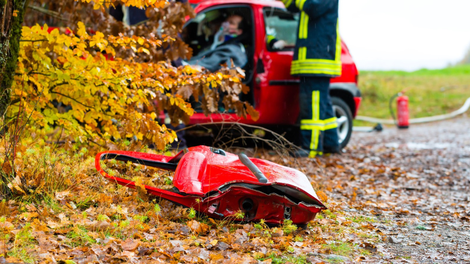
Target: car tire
x,y
345,120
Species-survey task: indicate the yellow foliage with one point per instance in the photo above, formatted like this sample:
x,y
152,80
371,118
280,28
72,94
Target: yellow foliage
x,y
76,82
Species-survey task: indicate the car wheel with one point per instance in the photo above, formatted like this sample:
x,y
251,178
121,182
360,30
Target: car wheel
x,y
344,119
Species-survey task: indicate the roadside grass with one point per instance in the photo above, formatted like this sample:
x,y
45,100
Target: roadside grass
x,y
340,248
23,244
360,219
275,259
430,92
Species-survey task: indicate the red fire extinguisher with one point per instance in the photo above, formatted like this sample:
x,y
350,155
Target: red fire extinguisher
x,y
402,111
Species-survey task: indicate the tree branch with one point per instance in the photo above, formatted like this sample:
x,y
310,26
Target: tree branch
x,y
48,12
32,40
71,98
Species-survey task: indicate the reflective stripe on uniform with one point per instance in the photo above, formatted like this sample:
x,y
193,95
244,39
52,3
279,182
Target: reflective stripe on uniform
x,y
312,68
287,3
316,125
315,117
315,65
269,39
302,53
303,65
338,44
315,131
316,71
303,26
330,123
300,4
326,124
314,153
314,143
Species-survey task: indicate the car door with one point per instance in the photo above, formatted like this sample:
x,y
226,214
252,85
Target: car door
x,y
278,88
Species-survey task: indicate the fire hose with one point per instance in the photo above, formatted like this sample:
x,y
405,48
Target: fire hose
x,y
460,111
428,119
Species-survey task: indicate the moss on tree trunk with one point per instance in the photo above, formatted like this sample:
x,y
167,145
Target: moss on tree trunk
x,y
10,35
11,20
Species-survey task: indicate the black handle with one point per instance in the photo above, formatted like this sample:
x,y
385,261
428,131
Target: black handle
x,y
150,163
250,165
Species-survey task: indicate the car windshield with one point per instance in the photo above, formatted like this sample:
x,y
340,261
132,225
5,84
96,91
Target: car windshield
x,y
281,24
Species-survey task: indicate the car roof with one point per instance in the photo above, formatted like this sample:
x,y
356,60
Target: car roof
x,y
208,3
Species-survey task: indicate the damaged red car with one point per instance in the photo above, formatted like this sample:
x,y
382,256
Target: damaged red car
x,y
223,185
273,91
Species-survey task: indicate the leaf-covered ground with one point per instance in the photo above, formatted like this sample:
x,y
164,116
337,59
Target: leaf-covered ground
x,y
416,182
393,197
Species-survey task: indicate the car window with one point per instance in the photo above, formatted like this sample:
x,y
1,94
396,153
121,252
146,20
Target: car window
x,y
199,32
281,24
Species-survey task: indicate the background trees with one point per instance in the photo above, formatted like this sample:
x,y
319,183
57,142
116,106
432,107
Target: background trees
x,y
97,79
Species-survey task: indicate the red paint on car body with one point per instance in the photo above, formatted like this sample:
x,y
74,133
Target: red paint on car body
x,y
218,184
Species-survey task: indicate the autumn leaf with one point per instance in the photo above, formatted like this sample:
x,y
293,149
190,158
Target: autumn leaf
x,y
130,244
252,112
323,197
198,227
6,226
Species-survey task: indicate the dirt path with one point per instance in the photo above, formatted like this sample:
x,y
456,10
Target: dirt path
x,y
416,183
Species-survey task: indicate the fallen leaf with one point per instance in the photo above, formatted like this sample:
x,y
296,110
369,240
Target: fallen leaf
x,y
198,227
323,197
214,242
130,244
61,195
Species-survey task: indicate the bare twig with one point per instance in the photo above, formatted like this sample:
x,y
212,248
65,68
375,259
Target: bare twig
x,y
48,12
278,142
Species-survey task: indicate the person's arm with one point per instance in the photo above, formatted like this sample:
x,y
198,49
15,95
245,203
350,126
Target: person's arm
x,y
290,5
313,8
274,43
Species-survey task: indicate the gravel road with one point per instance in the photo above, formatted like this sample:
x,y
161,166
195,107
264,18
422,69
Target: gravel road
x,y
422,179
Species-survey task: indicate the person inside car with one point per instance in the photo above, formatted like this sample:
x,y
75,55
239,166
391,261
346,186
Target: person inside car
x,y
226,46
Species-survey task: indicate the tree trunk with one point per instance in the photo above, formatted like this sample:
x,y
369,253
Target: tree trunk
x,y
11,20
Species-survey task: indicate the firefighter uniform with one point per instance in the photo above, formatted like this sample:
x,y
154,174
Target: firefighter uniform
x,y
317,58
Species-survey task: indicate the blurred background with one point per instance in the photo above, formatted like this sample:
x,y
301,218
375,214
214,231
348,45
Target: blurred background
x,y
406,35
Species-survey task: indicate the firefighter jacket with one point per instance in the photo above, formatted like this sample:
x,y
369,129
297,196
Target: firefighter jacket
x,y
318,46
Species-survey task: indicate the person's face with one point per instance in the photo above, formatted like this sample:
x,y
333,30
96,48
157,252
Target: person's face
x,y
233,23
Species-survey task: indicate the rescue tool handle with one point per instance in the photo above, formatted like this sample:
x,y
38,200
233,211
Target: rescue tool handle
x,y
151,163
250,165
186,200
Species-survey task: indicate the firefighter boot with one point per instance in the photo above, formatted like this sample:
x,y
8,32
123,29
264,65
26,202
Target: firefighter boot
x,y
300,153
333,150
304,153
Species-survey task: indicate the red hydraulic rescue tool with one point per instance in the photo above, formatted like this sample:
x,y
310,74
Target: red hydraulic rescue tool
x,y
221,184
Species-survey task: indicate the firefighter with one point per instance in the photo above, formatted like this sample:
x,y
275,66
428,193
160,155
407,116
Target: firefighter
x,y
317,58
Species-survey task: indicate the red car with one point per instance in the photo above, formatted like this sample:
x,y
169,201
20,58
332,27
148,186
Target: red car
x,y
273,91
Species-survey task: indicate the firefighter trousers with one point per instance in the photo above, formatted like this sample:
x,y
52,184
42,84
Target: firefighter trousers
x,y
318,126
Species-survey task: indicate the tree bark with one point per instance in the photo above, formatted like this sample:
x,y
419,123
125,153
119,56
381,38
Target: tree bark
x,y
11,20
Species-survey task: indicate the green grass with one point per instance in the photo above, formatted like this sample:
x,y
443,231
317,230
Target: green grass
x,y
326,213
430,92
361,219
24,245
79,237
340,248
278,259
